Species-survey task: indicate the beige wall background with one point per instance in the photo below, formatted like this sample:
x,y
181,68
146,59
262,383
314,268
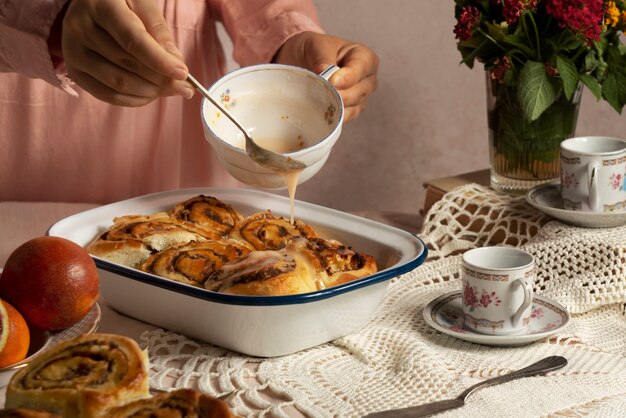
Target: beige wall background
x,y
427,118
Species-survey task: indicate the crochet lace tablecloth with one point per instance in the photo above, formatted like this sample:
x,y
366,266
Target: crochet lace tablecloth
x,y
397,360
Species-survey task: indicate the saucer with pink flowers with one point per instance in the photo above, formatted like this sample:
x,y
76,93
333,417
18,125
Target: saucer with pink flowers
x,y
445,314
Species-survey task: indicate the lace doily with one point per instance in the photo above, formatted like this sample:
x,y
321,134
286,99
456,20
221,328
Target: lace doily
x,y
397,360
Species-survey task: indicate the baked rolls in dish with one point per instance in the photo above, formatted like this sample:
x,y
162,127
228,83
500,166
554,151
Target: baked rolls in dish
x,y
205,242
82,377
265,231
133,238
185,403
194,262
207,211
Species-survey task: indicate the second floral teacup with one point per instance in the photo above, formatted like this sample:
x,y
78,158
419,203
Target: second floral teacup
x,y
497,290
592,174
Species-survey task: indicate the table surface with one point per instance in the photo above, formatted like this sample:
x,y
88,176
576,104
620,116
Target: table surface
x,y
593,342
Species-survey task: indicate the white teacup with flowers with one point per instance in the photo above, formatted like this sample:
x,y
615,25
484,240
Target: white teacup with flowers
x,y
497,290
592,174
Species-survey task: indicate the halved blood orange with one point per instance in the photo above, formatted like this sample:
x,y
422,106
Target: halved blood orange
x,y
18,336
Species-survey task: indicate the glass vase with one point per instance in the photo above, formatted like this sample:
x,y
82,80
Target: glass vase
x,y
524,154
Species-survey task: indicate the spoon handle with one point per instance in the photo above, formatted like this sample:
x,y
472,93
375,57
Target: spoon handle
x,y
206,94
542,366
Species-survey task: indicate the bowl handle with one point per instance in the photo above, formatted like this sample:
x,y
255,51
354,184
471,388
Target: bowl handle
x,y
329,71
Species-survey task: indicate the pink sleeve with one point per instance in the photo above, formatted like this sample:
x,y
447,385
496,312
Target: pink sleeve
x,y
24,30
258,28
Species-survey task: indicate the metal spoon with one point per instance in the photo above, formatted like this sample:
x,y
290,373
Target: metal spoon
x,y
425,410
266,158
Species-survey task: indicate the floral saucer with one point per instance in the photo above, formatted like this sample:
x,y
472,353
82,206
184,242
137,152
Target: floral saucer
x,y
445,314
547,198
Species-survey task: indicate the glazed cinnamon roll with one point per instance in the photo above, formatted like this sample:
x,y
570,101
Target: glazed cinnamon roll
x,y
82,377
291,270
26,413
180,403
192,263
342,264
207,211
265,231
131,239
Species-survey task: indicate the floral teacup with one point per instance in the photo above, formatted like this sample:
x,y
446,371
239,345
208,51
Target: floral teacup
x,y
592,174
497,290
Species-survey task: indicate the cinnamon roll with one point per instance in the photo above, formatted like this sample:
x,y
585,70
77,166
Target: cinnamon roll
x,y
192,263
131,239
82,377
207,211
180,403
342,264
265,231
26,413
291,270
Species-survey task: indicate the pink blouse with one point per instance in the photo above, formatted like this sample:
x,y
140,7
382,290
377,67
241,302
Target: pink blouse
x,y
59,146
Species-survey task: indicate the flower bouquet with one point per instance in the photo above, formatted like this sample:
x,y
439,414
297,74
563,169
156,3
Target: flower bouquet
x,y
538,54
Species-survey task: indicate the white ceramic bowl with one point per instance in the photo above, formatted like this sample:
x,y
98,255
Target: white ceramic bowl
x,y
253,325
290,106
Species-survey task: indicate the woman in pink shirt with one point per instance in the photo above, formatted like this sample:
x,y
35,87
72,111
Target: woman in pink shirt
x,y
93,102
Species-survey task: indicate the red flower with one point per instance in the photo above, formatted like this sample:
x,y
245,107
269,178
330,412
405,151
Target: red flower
x,y
467,21
503,65
513,9
582,16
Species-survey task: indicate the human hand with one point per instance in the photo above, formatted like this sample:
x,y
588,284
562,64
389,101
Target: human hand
x,y
355,81
122,52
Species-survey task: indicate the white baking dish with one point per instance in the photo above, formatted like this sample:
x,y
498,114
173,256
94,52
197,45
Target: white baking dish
x,y
253,325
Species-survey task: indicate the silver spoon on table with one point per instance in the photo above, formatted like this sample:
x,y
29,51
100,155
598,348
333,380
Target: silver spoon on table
x,y
262,156
425,410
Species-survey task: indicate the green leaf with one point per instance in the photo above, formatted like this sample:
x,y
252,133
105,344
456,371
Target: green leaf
x,y
536,90
569,75
592,84
614,85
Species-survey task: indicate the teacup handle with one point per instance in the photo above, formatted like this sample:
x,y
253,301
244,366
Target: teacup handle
x,y
329,71
527,300
592,175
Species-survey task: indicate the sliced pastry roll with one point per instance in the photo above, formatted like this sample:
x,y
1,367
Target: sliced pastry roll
x,y
207,211
185,403
266,231
291,270
82,377
193,263
131,239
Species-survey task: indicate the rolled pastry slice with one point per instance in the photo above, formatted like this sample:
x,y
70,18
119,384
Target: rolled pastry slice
x,y
131,239
291,270
342,264
26,413
192,263
265,231
207,211
82,377
180,403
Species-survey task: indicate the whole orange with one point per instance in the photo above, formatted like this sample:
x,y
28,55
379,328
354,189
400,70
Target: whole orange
x,y
52,281
18,339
